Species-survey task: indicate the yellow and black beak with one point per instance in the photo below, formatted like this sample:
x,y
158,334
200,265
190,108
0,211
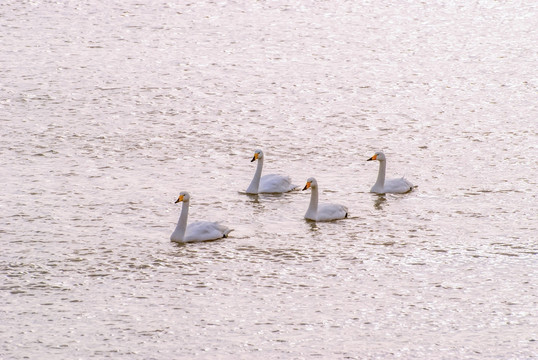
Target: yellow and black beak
x,y
372,158
307,186
255,157
179,199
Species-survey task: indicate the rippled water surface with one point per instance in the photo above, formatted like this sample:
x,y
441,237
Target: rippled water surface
x,y
110,108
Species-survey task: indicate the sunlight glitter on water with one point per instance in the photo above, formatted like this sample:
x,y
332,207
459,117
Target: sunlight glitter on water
x,y
110,110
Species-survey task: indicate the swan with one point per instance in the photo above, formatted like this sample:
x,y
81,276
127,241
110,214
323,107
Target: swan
x,y
381,186
271,183
323,212
197,231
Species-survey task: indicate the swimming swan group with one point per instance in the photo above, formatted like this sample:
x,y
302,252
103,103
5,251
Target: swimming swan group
x,y
273,183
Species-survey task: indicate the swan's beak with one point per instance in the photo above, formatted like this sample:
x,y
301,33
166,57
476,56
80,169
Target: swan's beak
x,y
179,199
255,157
372,158
306,186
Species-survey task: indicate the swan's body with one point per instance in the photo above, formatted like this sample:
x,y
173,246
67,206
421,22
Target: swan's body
x,y
322,212
382,186
197,231
271,183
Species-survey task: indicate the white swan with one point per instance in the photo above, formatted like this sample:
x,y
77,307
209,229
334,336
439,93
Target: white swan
x,y
322,212
271,183
381,186
197,231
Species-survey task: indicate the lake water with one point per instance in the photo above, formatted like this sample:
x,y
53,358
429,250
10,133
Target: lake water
x,y
110,108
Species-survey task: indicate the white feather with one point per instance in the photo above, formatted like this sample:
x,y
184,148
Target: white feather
x,y
382,186
322,212
197,231
271,183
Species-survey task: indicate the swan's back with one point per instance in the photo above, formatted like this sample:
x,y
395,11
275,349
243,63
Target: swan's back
x,y
273,183
398,186
328,212
205,230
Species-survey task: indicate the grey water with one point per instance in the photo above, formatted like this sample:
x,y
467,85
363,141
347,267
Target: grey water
x,y
110,108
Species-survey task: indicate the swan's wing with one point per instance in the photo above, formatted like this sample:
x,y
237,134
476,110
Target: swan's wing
x,y
273,183
205,230
328,212
399,186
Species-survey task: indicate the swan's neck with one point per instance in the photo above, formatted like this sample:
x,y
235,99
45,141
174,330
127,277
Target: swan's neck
x,y
312,211
182,222
380,183
255,183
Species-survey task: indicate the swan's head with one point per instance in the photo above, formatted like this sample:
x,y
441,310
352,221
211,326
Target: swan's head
x,y
183,196
379,156
258,154
311,182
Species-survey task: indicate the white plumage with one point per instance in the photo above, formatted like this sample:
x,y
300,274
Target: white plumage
x,y
382,186
322,212
197,231
271,183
